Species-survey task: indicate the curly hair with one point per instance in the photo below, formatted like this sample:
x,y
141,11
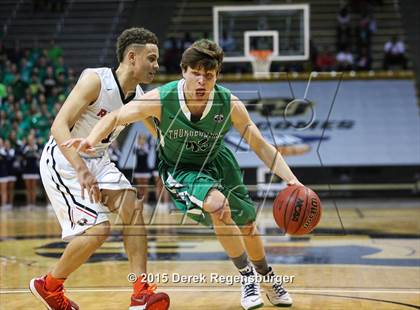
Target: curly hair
x,y
134,36
203,53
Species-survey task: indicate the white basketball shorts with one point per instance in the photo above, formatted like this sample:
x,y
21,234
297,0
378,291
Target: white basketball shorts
x,y
63,189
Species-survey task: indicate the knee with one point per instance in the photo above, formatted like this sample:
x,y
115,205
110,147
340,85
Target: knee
x,y
130,212
100,232
130,208
217,205
248,229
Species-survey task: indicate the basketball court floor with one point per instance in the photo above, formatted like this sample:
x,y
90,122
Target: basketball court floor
x,y
366,256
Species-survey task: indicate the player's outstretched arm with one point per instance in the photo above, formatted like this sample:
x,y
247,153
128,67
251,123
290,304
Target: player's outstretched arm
x,y
265,151
84,93
145,107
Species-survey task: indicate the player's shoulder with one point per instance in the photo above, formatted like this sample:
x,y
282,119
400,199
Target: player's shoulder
x,y
169,85
168,89
92,76
223,92
98,71
98,75
219,87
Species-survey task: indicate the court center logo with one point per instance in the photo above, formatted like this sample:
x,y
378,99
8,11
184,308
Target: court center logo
x,y
289,109
300,104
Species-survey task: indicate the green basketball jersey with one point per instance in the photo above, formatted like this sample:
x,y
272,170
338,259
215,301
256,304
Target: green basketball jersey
x,y
191,143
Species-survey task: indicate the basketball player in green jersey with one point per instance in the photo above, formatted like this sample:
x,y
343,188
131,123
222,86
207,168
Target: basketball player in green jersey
x,y
202,175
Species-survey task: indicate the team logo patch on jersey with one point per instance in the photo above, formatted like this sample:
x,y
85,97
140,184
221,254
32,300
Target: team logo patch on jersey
x,y
218,118
102,113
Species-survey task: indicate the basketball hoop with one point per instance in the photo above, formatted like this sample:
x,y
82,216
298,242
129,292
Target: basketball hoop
x,y
261,62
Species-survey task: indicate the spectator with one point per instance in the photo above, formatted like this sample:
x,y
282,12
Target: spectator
x,y
10,72
35,85
54,52
325,60
345,60
394,51
3,175
31,152
12,169
3,92
187,41
367,26
8,103
49,81
61,82
172,55
25,69
61,67
71,76
142,172
343,28
19,86
227,42
364,60
314,52
41,67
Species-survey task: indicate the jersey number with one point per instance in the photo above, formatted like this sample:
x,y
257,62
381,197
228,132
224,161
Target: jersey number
x,y
197,146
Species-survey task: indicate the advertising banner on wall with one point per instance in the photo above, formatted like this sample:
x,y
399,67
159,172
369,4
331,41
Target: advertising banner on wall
x,y
355,123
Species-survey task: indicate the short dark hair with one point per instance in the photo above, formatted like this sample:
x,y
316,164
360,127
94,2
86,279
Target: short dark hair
x,y
134,36
204,54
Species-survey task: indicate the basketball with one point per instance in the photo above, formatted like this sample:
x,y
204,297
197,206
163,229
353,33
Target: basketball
x,y
297,210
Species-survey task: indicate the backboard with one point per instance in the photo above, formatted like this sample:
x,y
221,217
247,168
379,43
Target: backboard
x,y
284,29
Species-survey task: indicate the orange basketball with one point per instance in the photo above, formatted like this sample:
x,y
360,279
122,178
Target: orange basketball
x,y
297,210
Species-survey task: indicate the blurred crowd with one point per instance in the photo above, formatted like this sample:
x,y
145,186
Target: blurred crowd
x,y
34,83
356,26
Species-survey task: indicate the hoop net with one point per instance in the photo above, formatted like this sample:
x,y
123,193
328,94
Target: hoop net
x,y
261,62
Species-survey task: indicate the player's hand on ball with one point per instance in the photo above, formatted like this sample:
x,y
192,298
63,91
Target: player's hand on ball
x,y
81,145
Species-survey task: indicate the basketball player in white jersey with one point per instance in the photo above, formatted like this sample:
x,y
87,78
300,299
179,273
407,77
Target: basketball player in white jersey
x,y
83,189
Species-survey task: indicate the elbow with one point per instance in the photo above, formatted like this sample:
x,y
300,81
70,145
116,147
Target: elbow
x,y
60,126
55,129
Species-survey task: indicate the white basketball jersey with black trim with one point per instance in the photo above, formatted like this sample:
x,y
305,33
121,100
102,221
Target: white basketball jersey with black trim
x,y
110,98
60,180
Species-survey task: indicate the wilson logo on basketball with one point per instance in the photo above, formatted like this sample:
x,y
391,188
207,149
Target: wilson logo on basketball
x,y
314,210
298,208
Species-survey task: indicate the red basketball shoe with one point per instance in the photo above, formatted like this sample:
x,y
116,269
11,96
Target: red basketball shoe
x,y
147,299
52,300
